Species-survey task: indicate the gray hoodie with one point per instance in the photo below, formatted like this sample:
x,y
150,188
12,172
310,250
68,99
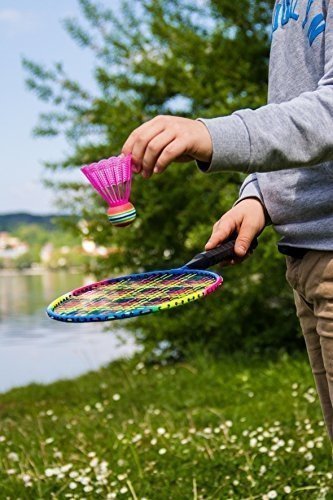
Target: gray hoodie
x,y
287,145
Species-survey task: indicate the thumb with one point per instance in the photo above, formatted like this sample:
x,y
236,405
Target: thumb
x,y
245,237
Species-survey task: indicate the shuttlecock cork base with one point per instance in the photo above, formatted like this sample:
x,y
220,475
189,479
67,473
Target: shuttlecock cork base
x,y
123,215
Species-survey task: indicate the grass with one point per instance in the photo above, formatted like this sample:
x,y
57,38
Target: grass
x,y
234,428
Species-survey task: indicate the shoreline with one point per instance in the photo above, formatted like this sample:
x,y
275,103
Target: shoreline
x,y
59,354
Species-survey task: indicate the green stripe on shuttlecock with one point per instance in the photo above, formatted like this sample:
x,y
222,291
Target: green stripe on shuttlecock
x,y
122,215
125,217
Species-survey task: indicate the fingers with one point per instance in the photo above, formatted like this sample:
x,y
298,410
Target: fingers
x,y
222,229
138,140
160,141
170,153
158,146
247,219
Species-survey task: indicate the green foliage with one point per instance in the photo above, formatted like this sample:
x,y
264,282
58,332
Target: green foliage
x,y
32,234
9,222
252,311
189,58
66,247
26,260
72,259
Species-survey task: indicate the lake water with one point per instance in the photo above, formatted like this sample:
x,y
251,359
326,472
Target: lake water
x,y
34,348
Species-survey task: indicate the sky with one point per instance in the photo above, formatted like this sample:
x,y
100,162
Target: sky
x,y
32,29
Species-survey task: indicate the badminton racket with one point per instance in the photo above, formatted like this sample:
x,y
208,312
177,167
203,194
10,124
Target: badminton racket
x,y
144,293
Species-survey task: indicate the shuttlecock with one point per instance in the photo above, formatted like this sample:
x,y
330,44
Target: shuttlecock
x,y
112,179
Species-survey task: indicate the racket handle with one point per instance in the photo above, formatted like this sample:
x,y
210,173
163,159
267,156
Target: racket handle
x,y
222,254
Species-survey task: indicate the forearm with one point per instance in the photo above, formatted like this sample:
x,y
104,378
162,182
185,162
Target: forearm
x,y
293,134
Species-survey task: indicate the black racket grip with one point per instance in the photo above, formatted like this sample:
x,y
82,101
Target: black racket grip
x,y
222,254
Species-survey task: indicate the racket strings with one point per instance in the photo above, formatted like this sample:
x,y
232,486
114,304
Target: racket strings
x,y
122,299
167,291
134,294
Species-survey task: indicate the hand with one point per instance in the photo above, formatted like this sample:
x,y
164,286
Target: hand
x,y
247,218
164,139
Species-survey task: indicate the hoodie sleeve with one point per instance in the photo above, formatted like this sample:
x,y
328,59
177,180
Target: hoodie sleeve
x,y
250,189
260,140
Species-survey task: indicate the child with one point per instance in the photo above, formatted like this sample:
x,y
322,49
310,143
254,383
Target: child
x,y
287,149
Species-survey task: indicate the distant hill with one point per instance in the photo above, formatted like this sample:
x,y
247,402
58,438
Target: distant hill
x,y
8,222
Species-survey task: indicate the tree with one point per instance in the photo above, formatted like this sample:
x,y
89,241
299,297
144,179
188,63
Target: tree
x,y
190,58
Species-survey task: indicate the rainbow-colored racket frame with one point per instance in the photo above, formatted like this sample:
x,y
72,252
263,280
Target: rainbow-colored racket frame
x,y
145,293
133,295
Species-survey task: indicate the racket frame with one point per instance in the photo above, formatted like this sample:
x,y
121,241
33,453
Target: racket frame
x,y
68,318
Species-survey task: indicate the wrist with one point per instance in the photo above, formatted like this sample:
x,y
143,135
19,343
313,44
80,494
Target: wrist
x,y
203,149
260,202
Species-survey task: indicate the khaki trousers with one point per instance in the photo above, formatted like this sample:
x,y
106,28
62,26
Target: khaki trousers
x,y
312,281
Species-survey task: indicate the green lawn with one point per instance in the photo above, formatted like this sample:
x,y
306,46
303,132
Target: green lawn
x,y
235,428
